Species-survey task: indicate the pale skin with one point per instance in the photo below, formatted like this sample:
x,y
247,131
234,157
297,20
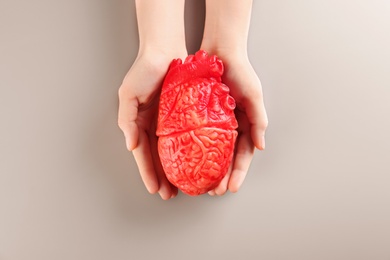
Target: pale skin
x,y
162,39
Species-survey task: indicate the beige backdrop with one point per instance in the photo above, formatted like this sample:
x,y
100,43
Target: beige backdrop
x,y
70,190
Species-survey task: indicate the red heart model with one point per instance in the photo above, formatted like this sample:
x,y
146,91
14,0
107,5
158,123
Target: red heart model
x,y
196,124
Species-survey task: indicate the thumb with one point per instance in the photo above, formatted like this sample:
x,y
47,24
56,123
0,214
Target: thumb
x,y
258,120
127,114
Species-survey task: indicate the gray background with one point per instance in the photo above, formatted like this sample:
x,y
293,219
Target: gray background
x,y
70,190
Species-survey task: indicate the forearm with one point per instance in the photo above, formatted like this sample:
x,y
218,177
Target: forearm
x,y
226,26
160,25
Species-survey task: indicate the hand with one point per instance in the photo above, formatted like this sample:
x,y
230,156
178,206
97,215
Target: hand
x,y
161,39
138,109
226,35
251,115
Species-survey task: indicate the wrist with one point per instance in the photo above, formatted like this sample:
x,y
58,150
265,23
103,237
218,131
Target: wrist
x,y
162,52
161,26
226,51
227,27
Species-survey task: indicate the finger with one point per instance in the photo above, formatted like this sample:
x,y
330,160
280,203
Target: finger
x,y
127,114
165,188
212,193
145,163
242,161
257,116
223,185
168,191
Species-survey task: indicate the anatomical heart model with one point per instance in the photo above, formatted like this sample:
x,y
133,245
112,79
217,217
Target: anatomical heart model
x,y
196,124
